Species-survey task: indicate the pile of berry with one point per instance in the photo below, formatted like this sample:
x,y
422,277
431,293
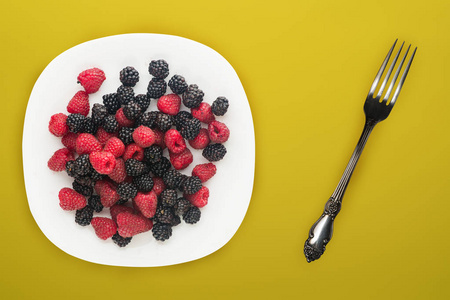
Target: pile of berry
x,y
116,156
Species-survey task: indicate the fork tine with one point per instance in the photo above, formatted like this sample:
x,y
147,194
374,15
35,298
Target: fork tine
x,y
380,71
394,79
388,74
402,79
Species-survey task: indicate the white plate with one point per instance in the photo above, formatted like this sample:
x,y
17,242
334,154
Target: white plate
x,y
230,189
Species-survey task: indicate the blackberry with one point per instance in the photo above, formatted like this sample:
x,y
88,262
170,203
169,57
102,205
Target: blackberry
x,y
129,76
70,168
156,88
84,190
164,121
192,215
220,106
132,110
90,126
127,191
161,232
143,101
99,112
164,215
159,168
125,94
178,84
84,216
111,102
214,152
120,240
126,135
182,206
144,183
191,128
85,180
95,203
182,181
83,165
158,68
96,176
180,118
110,124
172,179
153,154
134,167
192,185
146,119
193,96
176,220
75,122
168,197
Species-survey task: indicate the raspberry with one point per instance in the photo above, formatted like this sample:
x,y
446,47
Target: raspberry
x,y
103,162
192,185
168,197
104,227
201,140
132,110
174,141
71,200
158,185
116,209
87,143
156,88
191,128
172,179
178,84
162,232
91,79
120,240
146,203
218,132
135,167
69,140
125,94
214,152
115,146
84,216
204,171
143,136
130,224
203,113
143,101
103,136
111,102
118,174
79,104
153,154
129,76
107,192
144,183
193,96
158,68
200,198
182,206
122,120
159,138
127,191
59,159
159,168
75,122
192,215
164,122
95,203
169,104
99,112
125,135
181,160
133,151
220,106
57,125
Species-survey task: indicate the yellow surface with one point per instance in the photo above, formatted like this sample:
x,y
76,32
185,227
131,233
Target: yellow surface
x,y
306,67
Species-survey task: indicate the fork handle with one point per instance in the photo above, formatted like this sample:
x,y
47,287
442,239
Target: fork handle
x,y
322,230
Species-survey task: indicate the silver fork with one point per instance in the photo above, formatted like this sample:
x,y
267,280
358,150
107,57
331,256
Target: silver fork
x,y
375,111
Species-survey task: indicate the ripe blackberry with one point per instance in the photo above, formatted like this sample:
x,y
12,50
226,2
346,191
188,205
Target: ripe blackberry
x,y
193,96
182,206
111,102
176,220
146,119
158,68
143,101
84,216
85,190
120,240
182,181
164,215
156,88
153,154
129,76
90,126
191,128
134,167
192,185
125,94
192,215
132,110
99,112
168,197
164,121
161,232
159,168
70,168
82,165
214,152
180,118
95,203
127,191
220,106
75,122
178,84
110,124
144,183
96,176
126,135
172,179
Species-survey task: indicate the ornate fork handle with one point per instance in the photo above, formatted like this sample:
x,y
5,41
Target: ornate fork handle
x,y
322,230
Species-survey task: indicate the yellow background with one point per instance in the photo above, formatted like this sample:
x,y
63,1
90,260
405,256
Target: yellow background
x,y
306,67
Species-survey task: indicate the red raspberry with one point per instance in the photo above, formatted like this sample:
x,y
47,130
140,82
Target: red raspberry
x,y
87,143
59,159
159,138
200,198
169,104
133,151
181,160
71,200
204,171
158,185
104,136
174,141
117,209
218,132
130,224
115,146
91,79
69,140
107,192
57,125
143,136
203,113
79,104
104,227
201,140
146,203
103,162
122,120
119,173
